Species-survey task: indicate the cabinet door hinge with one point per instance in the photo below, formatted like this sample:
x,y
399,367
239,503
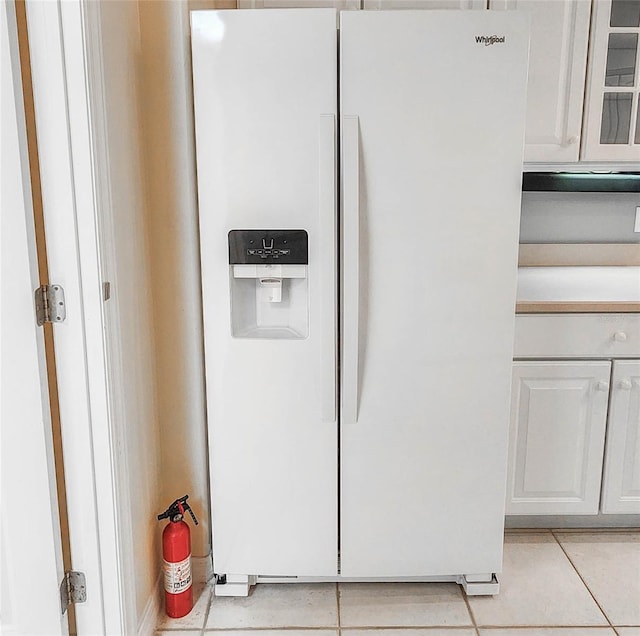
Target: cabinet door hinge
x,y
73,589
50,305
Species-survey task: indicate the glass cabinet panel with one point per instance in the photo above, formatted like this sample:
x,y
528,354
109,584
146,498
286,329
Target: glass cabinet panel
x,y
625,13
621,59
616,118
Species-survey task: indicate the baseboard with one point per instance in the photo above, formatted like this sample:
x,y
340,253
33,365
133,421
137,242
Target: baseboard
x,y
149,619
202,571
557,522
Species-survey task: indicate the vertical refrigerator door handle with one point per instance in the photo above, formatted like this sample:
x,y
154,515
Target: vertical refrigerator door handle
x,y
350,266
327,201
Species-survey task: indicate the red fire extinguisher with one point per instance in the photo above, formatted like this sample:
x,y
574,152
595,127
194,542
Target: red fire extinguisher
x,y
176,554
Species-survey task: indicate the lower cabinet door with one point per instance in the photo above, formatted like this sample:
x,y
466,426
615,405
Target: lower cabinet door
x,y
556,441
621,487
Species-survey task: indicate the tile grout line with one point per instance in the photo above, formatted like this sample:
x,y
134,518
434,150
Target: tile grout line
x,y
311,630
390,628
209,604
530,626
573,565
299,628
471,615
597,530
409,628
273,628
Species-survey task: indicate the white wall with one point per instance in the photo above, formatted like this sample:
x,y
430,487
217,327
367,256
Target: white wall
x,y
579,217
168,145
129,312
155,273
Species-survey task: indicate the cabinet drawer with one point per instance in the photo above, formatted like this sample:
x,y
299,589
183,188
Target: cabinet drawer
x,y
577,335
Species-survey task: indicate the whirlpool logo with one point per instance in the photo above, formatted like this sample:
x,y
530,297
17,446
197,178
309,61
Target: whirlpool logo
x,y
488,40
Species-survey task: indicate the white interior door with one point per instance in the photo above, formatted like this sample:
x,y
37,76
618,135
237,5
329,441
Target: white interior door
x,y
62,79
30,548
432,141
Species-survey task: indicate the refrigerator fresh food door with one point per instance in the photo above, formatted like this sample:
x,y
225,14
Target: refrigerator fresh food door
x,y
265,92
433,109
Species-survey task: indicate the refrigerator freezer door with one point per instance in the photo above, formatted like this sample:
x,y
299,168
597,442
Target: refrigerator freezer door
x,y
432,114
265,107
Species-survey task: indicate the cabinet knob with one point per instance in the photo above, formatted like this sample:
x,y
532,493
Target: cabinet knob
x,y
601,385
625,384
620,336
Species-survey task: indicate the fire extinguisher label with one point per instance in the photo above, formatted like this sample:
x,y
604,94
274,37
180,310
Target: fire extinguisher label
x,y
177,576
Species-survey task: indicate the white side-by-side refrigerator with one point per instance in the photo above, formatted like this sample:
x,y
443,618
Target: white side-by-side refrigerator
x,y
359,197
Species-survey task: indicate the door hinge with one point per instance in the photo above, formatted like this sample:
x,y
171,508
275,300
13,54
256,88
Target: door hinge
x,y
73,589
50,305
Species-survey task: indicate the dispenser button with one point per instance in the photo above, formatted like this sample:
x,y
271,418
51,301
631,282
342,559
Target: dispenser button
x,y
251,252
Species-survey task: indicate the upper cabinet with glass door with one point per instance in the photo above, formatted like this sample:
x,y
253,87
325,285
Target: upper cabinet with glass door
x,y
557,68
612,116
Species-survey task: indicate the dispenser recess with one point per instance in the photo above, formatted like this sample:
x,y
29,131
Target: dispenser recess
x,y
268,284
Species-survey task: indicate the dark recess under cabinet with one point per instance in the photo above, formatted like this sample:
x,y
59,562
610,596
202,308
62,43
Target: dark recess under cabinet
x,y
580,182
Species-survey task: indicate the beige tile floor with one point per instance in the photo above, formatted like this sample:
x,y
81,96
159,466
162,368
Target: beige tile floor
x,y
554,583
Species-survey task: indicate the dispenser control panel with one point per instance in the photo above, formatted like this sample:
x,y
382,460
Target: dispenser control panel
x,y
266,247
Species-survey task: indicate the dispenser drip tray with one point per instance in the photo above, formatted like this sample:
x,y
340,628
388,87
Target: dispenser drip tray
x,y
268,284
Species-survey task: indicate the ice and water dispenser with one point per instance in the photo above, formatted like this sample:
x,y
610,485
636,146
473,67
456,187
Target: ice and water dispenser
x,y
268,280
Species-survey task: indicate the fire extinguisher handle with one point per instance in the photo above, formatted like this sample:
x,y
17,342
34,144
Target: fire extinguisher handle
x,y
177,508
188,507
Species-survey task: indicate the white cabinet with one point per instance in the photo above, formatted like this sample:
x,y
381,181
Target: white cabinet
x,y
302,4
621,479
612,119
576,380
562,125
425,4
557,66
558,420
582,336
366,4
